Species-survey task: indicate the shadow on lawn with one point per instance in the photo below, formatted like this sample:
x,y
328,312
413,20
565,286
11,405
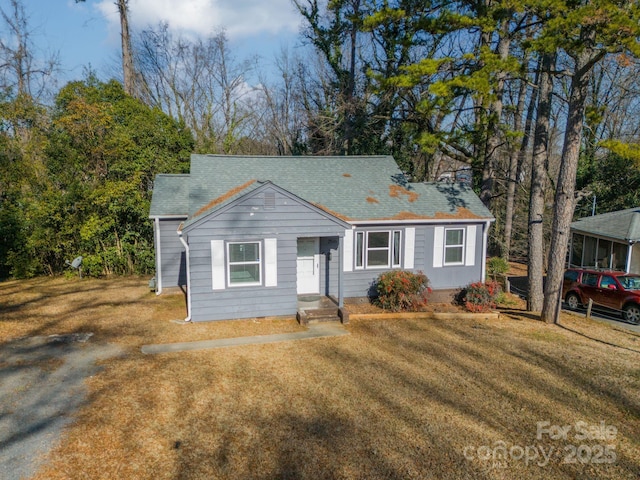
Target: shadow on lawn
x,y
391,400
409,408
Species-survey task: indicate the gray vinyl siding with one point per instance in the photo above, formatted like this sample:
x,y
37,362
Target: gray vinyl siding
x,y
359,283
249,220
453,276
172,271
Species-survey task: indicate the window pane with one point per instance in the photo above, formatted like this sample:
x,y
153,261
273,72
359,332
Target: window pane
x,y
576,250
359,248
376,258
454,237
590,279
571,275
243,252
589,259
396,248
607,280
244,273
378,239
604,253
453,255
619,256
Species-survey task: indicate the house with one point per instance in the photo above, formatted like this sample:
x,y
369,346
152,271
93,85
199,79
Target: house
x,y
245,236
607,241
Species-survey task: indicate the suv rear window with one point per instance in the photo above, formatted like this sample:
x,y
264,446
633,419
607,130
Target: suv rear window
x,y
571,275
590,279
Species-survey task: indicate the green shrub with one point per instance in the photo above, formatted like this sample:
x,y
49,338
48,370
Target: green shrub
x,y
400,290
497,266
480,297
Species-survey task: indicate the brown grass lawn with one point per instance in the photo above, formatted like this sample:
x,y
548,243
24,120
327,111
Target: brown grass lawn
x,y
396,399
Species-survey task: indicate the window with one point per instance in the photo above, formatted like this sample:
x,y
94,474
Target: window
x,y
606,281
577,244
243,264
571,275
590,279
378,249
619,260
454,246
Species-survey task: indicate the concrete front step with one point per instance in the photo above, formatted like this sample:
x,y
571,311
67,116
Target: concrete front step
x,y
319,315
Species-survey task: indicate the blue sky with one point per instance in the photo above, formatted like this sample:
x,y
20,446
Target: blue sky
x,y
88,33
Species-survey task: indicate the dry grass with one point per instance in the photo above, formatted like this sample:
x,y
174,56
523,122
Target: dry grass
x,y
395,399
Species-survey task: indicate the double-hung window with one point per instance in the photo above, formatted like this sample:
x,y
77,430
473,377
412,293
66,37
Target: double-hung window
x,y
454,246
377,249
243,263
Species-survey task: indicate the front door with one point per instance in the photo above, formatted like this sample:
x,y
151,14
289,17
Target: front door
x,y
308,265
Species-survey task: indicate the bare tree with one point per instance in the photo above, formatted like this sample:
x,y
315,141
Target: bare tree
x,y
21,71
128,67
200,83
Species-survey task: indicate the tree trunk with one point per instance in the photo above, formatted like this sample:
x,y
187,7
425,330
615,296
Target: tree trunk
x,y
565,188
127,55
535,271
515,157
494,134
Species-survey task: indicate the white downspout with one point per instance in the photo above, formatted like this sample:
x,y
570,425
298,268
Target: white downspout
x,y
156,223
485,241
186,249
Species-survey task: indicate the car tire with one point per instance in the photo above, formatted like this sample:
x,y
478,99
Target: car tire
x,y
573,301
631,313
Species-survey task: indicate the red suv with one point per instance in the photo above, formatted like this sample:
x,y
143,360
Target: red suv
x,y
613,290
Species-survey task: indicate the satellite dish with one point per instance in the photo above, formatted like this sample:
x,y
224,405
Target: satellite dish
x,y
76,262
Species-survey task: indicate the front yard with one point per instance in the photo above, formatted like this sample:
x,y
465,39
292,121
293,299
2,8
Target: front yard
x,y
395,399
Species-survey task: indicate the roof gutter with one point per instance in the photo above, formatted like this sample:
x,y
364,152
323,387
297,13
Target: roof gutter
x,y
429,221
186,249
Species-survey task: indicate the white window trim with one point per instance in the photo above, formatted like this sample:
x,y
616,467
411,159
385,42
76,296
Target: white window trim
x,y
359,256
364,257
392,248
258,262
461,246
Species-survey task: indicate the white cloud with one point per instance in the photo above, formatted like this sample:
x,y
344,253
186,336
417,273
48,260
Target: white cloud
x,y
239,18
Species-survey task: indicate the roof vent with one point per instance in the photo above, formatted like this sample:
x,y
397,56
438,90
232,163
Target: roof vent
x,y
269,200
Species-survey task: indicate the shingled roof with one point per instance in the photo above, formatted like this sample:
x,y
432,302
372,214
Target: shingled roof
x,y
170,195
355,188
620,225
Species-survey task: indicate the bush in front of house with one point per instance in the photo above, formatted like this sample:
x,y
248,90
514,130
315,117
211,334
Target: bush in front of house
x,y
480,297
497,267
399,290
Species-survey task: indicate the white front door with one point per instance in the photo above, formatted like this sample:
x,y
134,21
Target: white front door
x,y
308,265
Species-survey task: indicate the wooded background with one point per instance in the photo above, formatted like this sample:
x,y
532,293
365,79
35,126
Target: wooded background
x,y
540,98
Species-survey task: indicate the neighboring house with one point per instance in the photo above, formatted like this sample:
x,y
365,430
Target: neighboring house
x,y
607,241
247,235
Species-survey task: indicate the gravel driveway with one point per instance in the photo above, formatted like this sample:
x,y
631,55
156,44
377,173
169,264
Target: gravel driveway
x,y
41,386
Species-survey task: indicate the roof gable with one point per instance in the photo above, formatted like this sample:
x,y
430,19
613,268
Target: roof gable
x,y
216,207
